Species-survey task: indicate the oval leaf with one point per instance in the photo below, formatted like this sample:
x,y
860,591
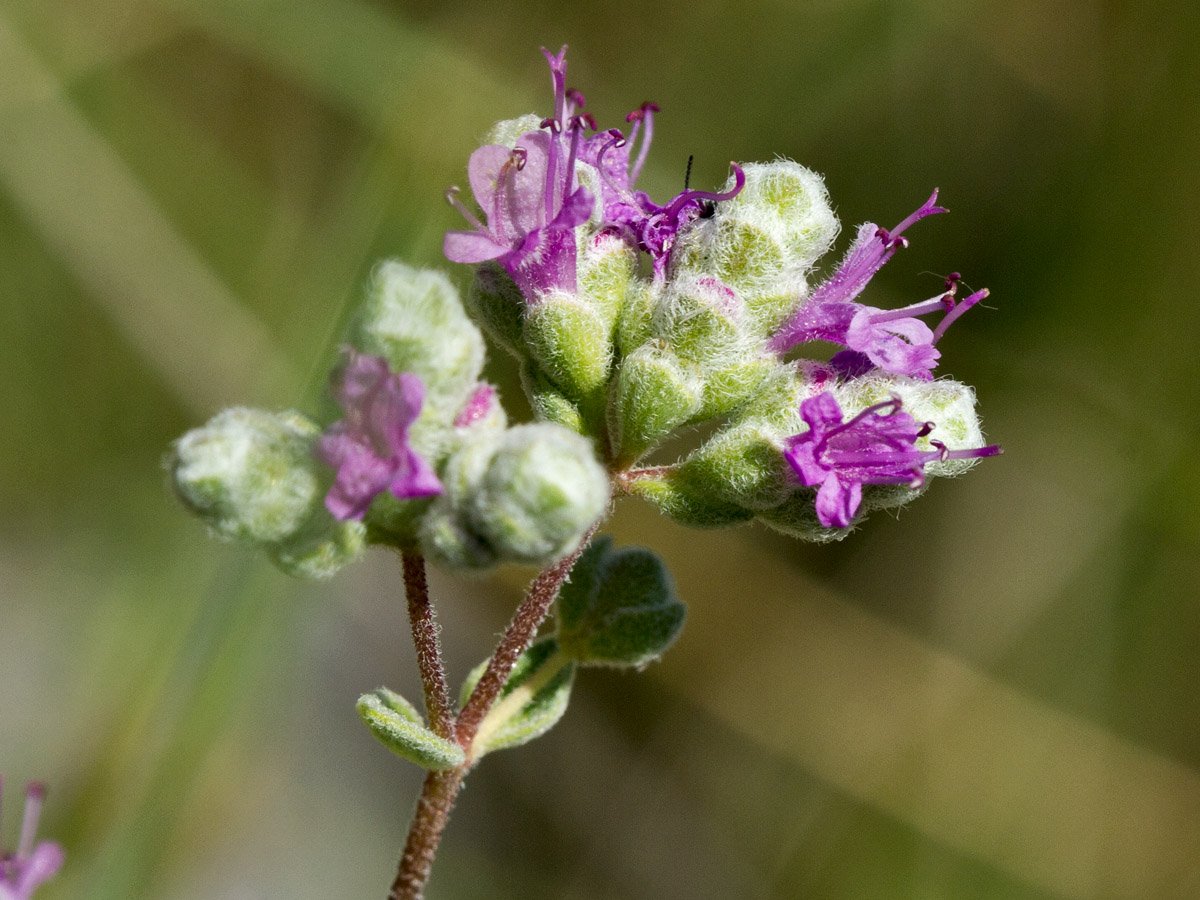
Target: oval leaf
x,y
400,728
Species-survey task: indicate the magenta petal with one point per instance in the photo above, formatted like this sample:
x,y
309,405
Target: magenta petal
x,y
484,170
576,210
369,448
43,863
416,479
837,502
358,482
801,458
337,445
470,247
519,205
821,412
359,376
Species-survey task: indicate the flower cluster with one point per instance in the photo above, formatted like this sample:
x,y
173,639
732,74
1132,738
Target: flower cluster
x,y
631,321
22,872
709,330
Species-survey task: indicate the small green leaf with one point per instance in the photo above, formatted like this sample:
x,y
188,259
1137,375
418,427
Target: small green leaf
x,y
532,702
402,730
619,609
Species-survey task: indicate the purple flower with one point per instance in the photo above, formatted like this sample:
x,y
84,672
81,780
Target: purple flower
x,y
892,340
369,447
878,446
529,198
533,208
22,872
651,227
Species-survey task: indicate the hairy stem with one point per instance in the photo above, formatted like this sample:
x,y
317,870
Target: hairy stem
x,y
425,640
524,625
429,821
441,788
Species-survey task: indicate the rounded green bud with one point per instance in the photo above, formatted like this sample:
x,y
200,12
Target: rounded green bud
x,y
542,490
727,389
499,307
548,402
765,240
741,465
633,325
249,474
606,268
777,398
797,517
322,548
524,495
683,500
570,343
742,252
413,318
701,320
654,393
445,530
619,608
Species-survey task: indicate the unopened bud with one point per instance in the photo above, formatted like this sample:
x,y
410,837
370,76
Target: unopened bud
x,y
654,394
414,319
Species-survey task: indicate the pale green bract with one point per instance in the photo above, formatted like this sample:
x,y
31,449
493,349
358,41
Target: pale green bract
x,y
531,703
400,728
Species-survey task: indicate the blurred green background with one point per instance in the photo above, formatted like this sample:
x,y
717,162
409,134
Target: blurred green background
x,y
992,695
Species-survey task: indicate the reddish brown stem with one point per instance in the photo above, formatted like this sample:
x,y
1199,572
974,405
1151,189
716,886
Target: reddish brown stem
x,y
441,788
524,625
429,821
425,640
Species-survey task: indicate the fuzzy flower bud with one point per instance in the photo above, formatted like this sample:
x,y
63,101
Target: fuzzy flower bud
x,y
571,344
763,241
414,320
249,474
703,320
252,477
528,496
654,394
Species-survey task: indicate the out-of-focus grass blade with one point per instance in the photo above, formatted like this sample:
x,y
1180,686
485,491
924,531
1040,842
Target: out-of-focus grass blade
x,y
390,77
163,297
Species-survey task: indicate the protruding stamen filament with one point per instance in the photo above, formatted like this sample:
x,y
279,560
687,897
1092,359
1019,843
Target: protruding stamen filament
x,y
472,219
957,311
926,209
576,131
648,109
558,73
35,794
616,139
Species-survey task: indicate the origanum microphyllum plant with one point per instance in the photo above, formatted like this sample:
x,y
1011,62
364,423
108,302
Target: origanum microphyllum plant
x,y
631,321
